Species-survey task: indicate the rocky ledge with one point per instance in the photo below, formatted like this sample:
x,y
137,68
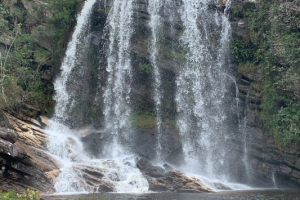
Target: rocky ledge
x,y
23,163
169,180
176,181
92,178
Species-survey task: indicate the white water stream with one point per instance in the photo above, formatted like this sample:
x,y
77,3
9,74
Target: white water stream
x,y
155,23
64,144
118,87
201,87
62,96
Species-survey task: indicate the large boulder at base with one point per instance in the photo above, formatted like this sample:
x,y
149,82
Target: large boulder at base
x,y
176,181
148,169
92,178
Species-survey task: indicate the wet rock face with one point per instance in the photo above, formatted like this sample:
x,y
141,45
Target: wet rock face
x,y
176,181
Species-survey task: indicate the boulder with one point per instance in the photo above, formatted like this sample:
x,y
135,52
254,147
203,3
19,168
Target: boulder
x,y
221,186
143,163
168,167
93,178
148,169
44,121
176,181
8,134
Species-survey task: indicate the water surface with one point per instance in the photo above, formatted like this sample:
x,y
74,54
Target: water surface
x,y
232,195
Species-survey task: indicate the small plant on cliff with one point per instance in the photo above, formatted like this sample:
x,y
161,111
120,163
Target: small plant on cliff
x,y
27,195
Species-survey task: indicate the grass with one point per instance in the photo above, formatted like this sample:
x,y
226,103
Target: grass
x,y
27,195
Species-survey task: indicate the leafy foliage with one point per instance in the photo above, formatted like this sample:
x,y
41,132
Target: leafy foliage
x,y
64,16
27,195
272,45
22,57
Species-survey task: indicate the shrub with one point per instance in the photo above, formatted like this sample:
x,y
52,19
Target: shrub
x,y
272,46
27,195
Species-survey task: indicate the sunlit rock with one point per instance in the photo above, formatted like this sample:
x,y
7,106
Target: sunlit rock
x,y
176,181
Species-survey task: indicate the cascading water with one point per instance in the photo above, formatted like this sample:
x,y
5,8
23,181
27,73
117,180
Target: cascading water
x,y
244,133
64,143
73,55
155,22
202,82
201,86
118,87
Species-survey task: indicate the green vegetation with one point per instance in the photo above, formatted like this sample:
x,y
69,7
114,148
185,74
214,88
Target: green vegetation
x,y
146,67
272,45
34,195
63,20
30,43
27,195
172,50
144,121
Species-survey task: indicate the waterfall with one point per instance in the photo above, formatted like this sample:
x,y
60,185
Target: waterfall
x,y
197,58
155,23
201,87
118,87
64,143
63,96
244,135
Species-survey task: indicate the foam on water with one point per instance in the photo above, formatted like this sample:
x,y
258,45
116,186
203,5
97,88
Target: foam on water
x,y
67,147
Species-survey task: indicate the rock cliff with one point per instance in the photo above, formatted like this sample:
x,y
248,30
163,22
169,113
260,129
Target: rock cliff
x,y
23,162
270,162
